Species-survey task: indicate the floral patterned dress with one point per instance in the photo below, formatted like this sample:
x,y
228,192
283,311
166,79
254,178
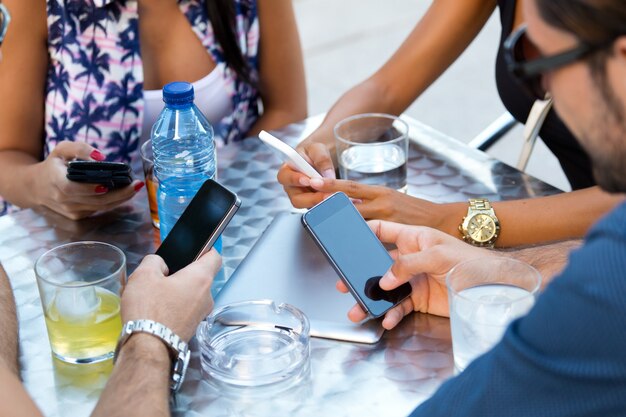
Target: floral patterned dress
x,y
94,89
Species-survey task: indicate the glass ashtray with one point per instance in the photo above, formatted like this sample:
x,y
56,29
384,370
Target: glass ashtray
x,y
255,344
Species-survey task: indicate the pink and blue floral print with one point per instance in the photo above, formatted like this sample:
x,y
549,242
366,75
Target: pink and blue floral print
x,y
94,90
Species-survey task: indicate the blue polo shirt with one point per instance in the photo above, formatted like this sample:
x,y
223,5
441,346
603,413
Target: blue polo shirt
x,y
567,357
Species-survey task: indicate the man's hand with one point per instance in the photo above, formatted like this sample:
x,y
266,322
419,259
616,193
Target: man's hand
x,y
179,301
423,258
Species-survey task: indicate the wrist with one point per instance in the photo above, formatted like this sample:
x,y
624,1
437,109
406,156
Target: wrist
x,y
35,181
321,135
147,348
449,217
177,348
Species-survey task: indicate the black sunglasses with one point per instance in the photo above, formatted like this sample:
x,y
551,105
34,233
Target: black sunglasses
x,y
528,71
5,18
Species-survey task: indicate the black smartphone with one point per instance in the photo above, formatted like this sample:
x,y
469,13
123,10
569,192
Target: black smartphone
x,y
110,174
197,229
355,252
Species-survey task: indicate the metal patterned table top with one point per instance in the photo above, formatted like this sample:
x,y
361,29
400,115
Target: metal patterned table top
x,y
389,378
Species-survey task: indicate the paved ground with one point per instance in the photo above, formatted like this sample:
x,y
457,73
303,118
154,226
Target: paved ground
x,y
345,41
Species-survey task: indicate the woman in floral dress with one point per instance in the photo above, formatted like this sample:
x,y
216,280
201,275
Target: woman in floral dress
x,y
82,79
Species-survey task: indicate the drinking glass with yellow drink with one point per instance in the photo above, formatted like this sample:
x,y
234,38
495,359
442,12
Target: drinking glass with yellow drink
x,y
79,287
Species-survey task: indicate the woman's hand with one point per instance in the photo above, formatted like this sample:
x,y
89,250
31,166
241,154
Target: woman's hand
x,y
296,184
72,199
382,203
423,258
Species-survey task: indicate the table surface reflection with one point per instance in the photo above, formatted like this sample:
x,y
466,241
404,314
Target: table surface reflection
x,y
389,378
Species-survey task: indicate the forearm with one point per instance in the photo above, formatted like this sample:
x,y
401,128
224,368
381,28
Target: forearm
x,y
14,400
18,178
275,119
549,259
139,384
281,83
8,327
438,39
536,220
367,97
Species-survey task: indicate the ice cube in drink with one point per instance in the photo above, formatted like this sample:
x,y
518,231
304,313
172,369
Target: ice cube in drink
x,y
479,317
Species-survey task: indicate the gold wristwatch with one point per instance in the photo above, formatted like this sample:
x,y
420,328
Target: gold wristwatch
x,y
480,226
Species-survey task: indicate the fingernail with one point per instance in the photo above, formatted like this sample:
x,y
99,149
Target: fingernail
x,y
101,189
97,155
317,182
386,281
329,173
139,186
356,200
305,181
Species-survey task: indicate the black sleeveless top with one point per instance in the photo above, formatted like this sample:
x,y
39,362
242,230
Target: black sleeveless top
x,y
573,159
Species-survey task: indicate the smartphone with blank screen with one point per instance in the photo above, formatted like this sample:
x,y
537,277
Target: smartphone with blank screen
x,y
355,252
197,229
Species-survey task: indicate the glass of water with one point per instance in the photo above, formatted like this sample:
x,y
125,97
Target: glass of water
x,y
372,148
485,295
79,285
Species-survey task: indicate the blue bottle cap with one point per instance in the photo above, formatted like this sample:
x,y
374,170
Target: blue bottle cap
x,y
178,92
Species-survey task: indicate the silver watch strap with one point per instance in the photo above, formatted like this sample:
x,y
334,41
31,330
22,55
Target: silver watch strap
x,y
174,343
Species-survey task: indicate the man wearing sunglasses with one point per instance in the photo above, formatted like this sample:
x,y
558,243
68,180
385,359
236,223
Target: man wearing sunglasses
x,y
567,357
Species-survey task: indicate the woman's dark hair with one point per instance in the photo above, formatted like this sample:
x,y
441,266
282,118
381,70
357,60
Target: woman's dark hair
x,y
221,13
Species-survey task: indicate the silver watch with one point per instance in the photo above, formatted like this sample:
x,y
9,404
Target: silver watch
x,y
177,346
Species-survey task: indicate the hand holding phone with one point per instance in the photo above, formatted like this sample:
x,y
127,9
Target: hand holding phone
x,y
110,174
355,252
288,155
197,229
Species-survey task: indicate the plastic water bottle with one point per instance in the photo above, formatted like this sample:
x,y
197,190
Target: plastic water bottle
x,y
184,153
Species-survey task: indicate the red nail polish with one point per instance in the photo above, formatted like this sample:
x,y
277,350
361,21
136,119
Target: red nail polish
x,y
97,155
139,186
101,189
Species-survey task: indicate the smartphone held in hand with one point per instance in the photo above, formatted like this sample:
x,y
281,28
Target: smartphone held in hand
x,y
110,174
197,229
288,155
355,252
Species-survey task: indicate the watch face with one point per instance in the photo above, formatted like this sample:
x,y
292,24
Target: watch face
x,y
481,228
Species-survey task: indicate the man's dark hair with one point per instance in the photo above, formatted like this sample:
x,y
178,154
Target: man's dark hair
x,y
593,22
